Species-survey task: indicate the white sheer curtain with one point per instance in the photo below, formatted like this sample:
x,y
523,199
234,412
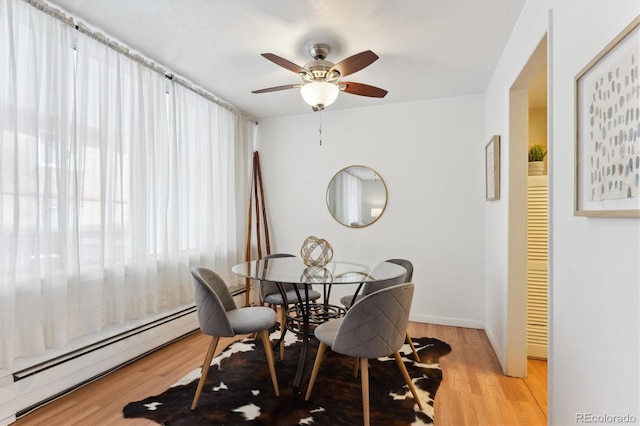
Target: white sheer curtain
x,y
114,183
348,196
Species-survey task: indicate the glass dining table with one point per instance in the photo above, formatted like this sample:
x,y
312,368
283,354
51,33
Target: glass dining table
x,y
303,314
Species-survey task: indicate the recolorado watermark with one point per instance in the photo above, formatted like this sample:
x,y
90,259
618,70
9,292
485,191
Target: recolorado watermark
x,y
591,418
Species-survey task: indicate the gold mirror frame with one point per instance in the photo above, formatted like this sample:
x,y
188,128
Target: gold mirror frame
x,y
356,196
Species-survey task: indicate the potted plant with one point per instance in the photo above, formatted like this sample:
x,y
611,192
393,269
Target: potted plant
x,y
536,159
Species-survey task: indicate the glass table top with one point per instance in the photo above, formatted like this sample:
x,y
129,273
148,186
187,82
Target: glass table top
x,y
340,271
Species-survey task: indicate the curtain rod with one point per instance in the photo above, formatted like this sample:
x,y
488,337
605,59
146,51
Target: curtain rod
x,y
84,29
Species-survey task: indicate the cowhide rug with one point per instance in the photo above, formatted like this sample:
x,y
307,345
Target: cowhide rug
x,y
238,389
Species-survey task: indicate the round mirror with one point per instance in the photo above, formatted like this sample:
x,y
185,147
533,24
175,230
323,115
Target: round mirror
x,y
356,196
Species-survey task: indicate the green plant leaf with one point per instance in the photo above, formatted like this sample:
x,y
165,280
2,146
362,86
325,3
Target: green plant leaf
x,y
537,153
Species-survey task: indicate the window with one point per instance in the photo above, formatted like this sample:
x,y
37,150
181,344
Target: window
x,y
112,186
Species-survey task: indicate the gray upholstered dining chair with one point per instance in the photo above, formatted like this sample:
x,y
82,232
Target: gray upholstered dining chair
x,y
370,287
219,316
270,294
373,327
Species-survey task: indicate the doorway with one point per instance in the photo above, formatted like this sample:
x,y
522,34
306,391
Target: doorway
x,y
537,222
519,99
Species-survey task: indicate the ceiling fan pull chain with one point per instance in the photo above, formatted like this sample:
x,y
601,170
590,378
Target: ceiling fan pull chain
x,y
320,130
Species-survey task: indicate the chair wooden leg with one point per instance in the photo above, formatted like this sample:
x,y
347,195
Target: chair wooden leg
x,y
407,378
364,379
270,360
316,368
205,369
283,324
413,348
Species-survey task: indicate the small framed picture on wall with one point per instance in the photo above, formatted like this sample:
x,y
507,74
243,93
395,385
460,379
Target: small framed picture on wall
x,y
492,168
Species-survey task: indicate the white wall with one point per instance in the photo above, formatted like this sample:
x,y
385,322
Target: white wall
x,y
431,157
594,262
437,216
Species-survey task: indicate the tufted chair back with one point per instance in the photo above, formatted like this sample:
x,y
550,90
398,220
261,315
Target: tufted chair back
x,y
406,278
376,325
213,301
269,287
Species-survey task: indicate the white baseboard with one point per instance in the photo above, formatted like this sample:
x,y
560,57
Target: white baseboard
x,y
497,350
454,322
23,390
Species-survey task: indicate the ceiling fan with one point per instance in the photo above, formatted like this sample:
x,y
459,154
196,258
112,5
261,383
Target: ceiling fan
x,y
321,78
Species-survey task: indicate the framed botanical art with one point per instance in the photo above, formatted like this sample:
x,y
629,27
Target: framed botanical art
x,y
492,168
607,158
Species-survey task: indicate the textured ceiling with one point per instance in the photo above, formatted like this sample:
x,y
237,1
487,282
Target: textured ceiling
x,y
428,49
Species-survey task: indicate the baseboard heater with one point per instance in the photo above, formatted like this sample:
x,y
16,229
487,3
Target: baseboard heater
x,y
38,368
44,382
70,356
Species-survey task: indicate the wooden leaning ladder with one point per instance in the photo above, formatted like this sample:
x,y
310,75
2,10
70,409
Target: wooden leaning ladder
x,y
261,226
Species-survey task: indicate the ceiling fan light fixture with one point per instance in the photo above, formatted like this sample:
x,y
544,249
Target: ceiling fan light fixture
x,y
321,78
319,94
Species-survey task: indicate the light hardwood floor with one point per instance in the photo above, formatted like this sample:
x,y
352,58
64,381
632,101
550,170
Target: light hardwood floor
x,y
473,391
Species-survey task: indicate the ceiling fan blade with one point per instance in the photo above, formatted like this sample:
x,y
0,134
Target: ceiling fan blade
x,y
354,63
277,88
362,89
284,63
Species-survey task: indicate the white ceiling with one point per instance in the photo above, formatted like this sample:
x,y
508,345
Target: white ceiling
x,y
428,49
